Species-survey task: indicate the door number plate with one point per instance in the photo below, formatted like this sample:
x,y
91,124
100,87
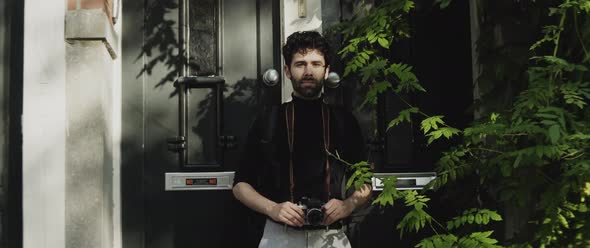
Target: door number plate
x,y
405,181
183,181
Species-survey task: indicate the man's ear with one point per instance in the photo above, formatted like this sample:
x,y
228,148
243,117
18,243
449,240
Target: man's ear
x,y
287,72
327,72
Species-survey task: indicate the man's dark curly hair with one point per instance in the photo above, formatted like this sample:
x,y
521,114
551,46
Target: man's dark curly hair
x,y
301,41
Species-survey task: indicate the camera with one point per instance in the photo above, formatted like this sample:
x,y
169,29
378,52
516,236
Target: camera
x,y
313,211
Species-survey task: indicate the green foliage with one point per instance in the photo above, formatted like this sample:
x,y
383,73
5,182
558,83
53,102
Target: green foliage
x,y
389,192
473,216
408,81
404,115
450,166
478,239
473,240
362,175
362,172
536,137
417,217
529,150
368,37
439,240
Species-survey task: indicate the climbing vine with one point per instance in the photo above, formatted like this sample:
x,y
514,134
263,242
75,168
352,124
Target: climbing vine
x,y
532,151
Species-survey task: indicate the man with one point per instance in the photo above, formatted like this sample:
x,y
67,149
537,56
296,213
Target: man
x,y
286,161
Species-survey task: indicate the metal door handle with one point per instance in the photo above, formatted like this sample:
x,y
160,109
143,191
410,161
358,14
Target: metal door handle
x,y
333,80
270,77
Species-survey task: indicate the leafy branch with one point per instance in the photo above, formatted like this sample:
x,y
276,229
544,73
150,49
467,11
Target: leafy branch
x,y
531,153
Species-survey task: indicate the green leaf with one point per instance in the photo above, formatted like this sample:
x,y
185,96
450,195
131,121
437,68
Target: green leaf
x,y
447,132
408,5
431,123
404,115
485,219
371,37
414,220
470,219
495,216
494,117
444,3
554,134
383,42
437,243
374,91
517,161
450,225
365,55
563,221
389,193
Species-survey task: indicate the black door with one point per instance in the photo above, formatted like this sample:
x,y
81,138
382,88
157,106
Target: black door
x,y
235,40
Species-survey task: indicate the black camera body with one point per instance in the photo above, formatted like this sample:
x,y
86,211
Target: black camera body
x,y
313,211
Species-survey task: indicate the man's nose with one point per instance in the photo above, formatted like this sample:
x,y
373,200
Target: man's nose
x,y
308,70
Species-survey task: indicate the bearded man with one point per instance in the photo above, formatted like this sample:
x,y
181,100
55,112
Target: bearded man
x,y
287,172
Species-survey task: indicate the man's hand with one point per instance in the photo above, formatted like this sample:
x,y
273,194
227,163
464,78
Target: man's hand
x,y
335,210
287,213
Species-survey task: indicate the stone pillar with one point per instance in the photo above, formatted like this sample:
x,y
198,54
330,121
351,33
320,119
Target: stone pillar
x,y
92,73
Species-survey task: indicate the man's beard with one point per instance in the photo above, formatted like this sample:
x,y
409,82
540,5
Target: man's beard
x,y
309,90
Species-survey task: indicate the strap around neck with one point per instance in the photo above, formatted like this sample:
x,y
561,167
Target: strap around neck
x,y
290,121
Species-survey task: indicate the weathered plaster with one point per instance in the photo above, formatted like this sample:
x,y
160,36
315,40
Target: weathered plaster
x,y
44,124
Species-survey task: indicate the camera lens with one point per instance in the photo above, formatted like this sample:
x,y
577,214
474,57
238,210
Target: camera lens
x,y
315,216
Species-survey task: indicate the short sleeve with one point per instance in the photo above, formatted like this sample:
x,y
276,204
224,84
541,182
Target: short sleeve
x,y
248,168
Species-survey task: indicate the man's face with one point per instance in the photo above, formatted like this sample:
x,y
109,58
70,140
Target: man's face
x,y
307,73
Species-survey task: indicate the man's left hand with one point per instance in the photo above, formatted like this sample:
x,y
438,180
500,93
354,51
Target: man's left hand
x,y
335,210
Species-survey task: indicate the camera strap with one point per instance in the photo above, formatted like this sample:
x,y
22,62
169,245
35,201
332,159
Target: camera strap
x,y
290,119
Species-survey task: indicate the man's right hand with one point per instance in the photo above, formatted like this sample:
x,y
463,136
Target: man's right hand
x,y
287,213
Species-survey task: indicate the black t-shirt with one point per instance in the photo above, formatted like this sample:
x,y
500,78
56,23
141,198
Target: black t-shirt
x,y
265,162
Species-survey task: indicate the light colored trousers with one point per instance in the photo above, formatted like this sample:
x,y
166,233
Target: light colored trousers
x,y
276,235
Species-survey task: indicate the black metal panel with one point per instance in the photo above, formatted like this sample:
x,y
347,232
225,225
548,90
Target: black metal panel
x,y
11,234
212,219
398,148
133,200
217,117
